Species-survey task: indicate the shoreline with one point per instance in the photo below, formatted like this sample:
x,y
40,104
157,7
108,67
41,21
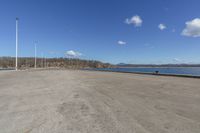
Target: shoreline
x,y
161,67
148,73
145,73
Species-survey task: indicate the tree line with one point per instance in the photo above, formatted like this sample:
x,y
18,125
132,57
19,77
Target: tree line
x,y
72,63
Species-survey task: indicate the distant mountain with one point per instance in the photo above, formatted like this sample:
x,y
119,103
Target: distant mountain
x,y
121,64
155,65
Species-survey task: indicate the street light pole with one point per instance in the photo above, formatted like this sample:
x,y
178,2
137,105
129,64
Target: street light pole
x,y
45,61
16,61
35,55
42,61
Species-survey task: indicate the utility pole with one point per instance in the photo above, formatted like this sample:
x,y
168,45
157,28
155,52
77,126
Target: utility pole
x,y
16,61
35,55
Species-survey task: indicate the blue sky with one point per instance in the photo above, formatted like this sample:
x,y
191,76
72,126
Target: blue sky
x,y
128,31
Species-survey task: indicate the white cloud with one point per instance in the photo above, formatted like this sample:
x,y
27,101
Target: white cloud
x,y
135,20
180,61
192,28
72,53
121,42
177,60
162,26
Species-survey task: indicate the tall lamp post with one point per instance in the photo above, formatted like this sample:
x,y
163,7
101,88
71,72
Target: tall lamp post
x,y
16,61
35,55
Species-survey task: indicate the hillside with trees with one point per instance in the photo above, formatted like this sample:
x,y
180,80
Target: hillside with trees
x,y
71,63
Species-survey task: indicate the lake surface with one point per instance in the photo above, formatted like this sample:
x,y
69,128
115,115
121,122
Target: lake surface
x,y
7,69
194,71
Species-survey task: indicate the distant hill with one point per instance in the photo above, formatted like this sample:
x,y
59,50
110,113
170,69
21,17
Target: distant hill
x,y
153,65
72,63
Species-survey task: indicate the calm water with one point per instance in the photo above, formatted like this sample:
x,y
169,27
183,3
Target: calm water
x,y
195,71
6,69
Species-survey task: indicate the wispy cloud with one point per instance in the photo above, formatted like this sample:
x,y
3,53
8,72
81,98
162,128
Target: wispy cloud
x,y
121,42
135,20
73,54
162,26
181,61
192,28
177,60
